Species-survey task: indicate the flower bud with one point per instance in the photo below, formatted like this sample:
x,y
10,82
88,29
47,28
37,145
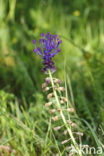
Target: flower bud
x,y
48,104
70,110
68,148
65,141
44,85
55,118
79,133
47,80
64,99
52,111
65,132
49,95
55,88
57,128
62,89
59,109
69,122
74,125
46,89
57,81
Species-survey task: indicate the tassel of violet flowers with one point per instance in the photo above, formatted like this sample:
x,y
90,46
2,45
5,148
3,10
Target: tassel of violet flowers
x,y
57,102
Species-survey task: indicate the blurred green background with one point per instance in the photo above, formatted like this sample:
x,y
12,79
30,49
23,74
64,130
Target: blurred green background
x,y
22,21
80,26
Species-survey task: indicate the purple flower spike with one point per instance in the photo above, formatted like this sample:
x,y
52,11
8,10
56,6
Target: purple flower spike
x,y
49,47
58,50
42,34
60,41
34,42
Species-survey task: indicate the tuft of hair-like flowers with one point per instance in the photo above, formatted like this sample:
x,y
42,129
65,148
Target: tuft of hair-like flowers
x,y
49,46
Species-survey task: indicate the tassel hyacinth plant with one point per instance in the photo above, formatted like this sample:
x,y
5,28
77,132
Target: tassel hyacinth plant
x,y
57,104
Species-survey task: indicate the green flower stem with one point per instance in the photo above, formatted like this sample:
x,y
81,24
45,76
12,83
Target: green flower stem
x,y
62,115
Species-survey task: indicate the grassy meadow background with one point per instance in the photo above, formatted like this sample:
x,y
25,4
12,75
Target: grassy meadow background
x,y
24,121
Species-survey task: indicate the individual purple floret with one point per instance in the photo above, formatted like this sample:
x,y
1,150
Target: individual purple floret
x,y
49,47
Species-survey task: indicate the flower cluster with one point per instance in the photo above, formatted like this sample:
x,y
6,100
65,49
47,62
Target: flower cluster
x,y
49,47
